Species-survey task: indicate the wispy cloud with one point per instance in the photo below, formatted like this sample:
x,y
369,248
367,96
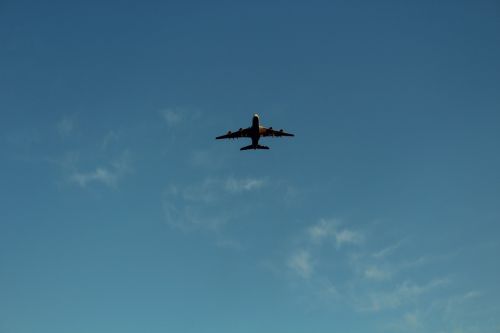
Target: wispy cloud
x,y
346,236
383,265
189,217
172,116
301,263
377,273
108,174
208,204
206,159
332,229
383,282
242,185
307,261
411,321
404,293
213,189
322,230
109,139
177,115
386,251
66,125
454,313
456,307
337,264
100,175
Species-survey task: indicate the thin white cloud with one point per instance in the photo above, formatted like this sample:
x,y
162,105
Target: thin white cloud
x,y
300,263
379,282
178,115
331,229
208,204
209,190
292,195
377,273
66,125
375,267
309,250
108,174
242,185
172,116
368,275
346,236
386,251
472,294
411,321
110,138
406,292
322,230
206,159
452,313
212,189
190,217
99,175
455,305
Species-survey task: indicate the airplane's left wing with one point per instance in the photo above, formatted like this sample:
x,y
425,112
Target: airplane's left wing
x,y
241,133
270,132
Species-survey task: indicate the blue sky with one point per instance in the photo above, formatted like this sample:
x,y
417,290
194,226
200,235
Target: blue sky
x,y
120,212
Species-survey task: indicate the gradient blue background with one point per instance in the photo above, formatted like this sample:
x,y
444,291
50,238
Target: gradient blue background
x,y
119,212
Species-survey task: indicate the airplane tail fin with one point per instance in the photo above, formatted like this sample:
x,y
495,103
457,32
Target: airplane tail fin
x,y
254,147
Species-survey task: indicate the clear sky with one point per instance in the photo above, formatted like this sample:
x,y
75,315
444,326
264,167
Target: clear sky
x,y
119,212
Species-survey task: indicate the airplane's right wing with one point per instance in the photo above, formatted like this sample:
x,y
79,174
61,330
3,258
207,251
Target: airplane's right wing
x,y
270,132
241,133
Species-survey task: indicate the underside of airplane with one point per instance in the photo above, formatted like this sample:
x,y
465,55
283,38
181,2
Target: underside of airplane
x,y
254,132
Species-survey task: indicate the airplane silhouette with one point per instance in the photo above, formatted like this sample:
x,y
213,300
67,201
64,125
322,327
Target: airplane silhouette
x,y
254,132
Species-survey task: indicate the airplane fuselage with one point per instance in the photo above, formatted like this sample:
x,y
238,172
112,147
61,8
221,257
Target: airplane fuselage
x,y
255,130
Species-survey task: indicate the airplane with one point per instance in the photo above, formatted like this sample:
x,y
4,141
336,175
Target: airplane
x,y
255,132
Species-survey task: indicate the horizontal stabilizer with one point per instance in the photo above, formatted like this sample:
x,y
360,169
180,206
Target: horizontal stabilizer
x,y
254,147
